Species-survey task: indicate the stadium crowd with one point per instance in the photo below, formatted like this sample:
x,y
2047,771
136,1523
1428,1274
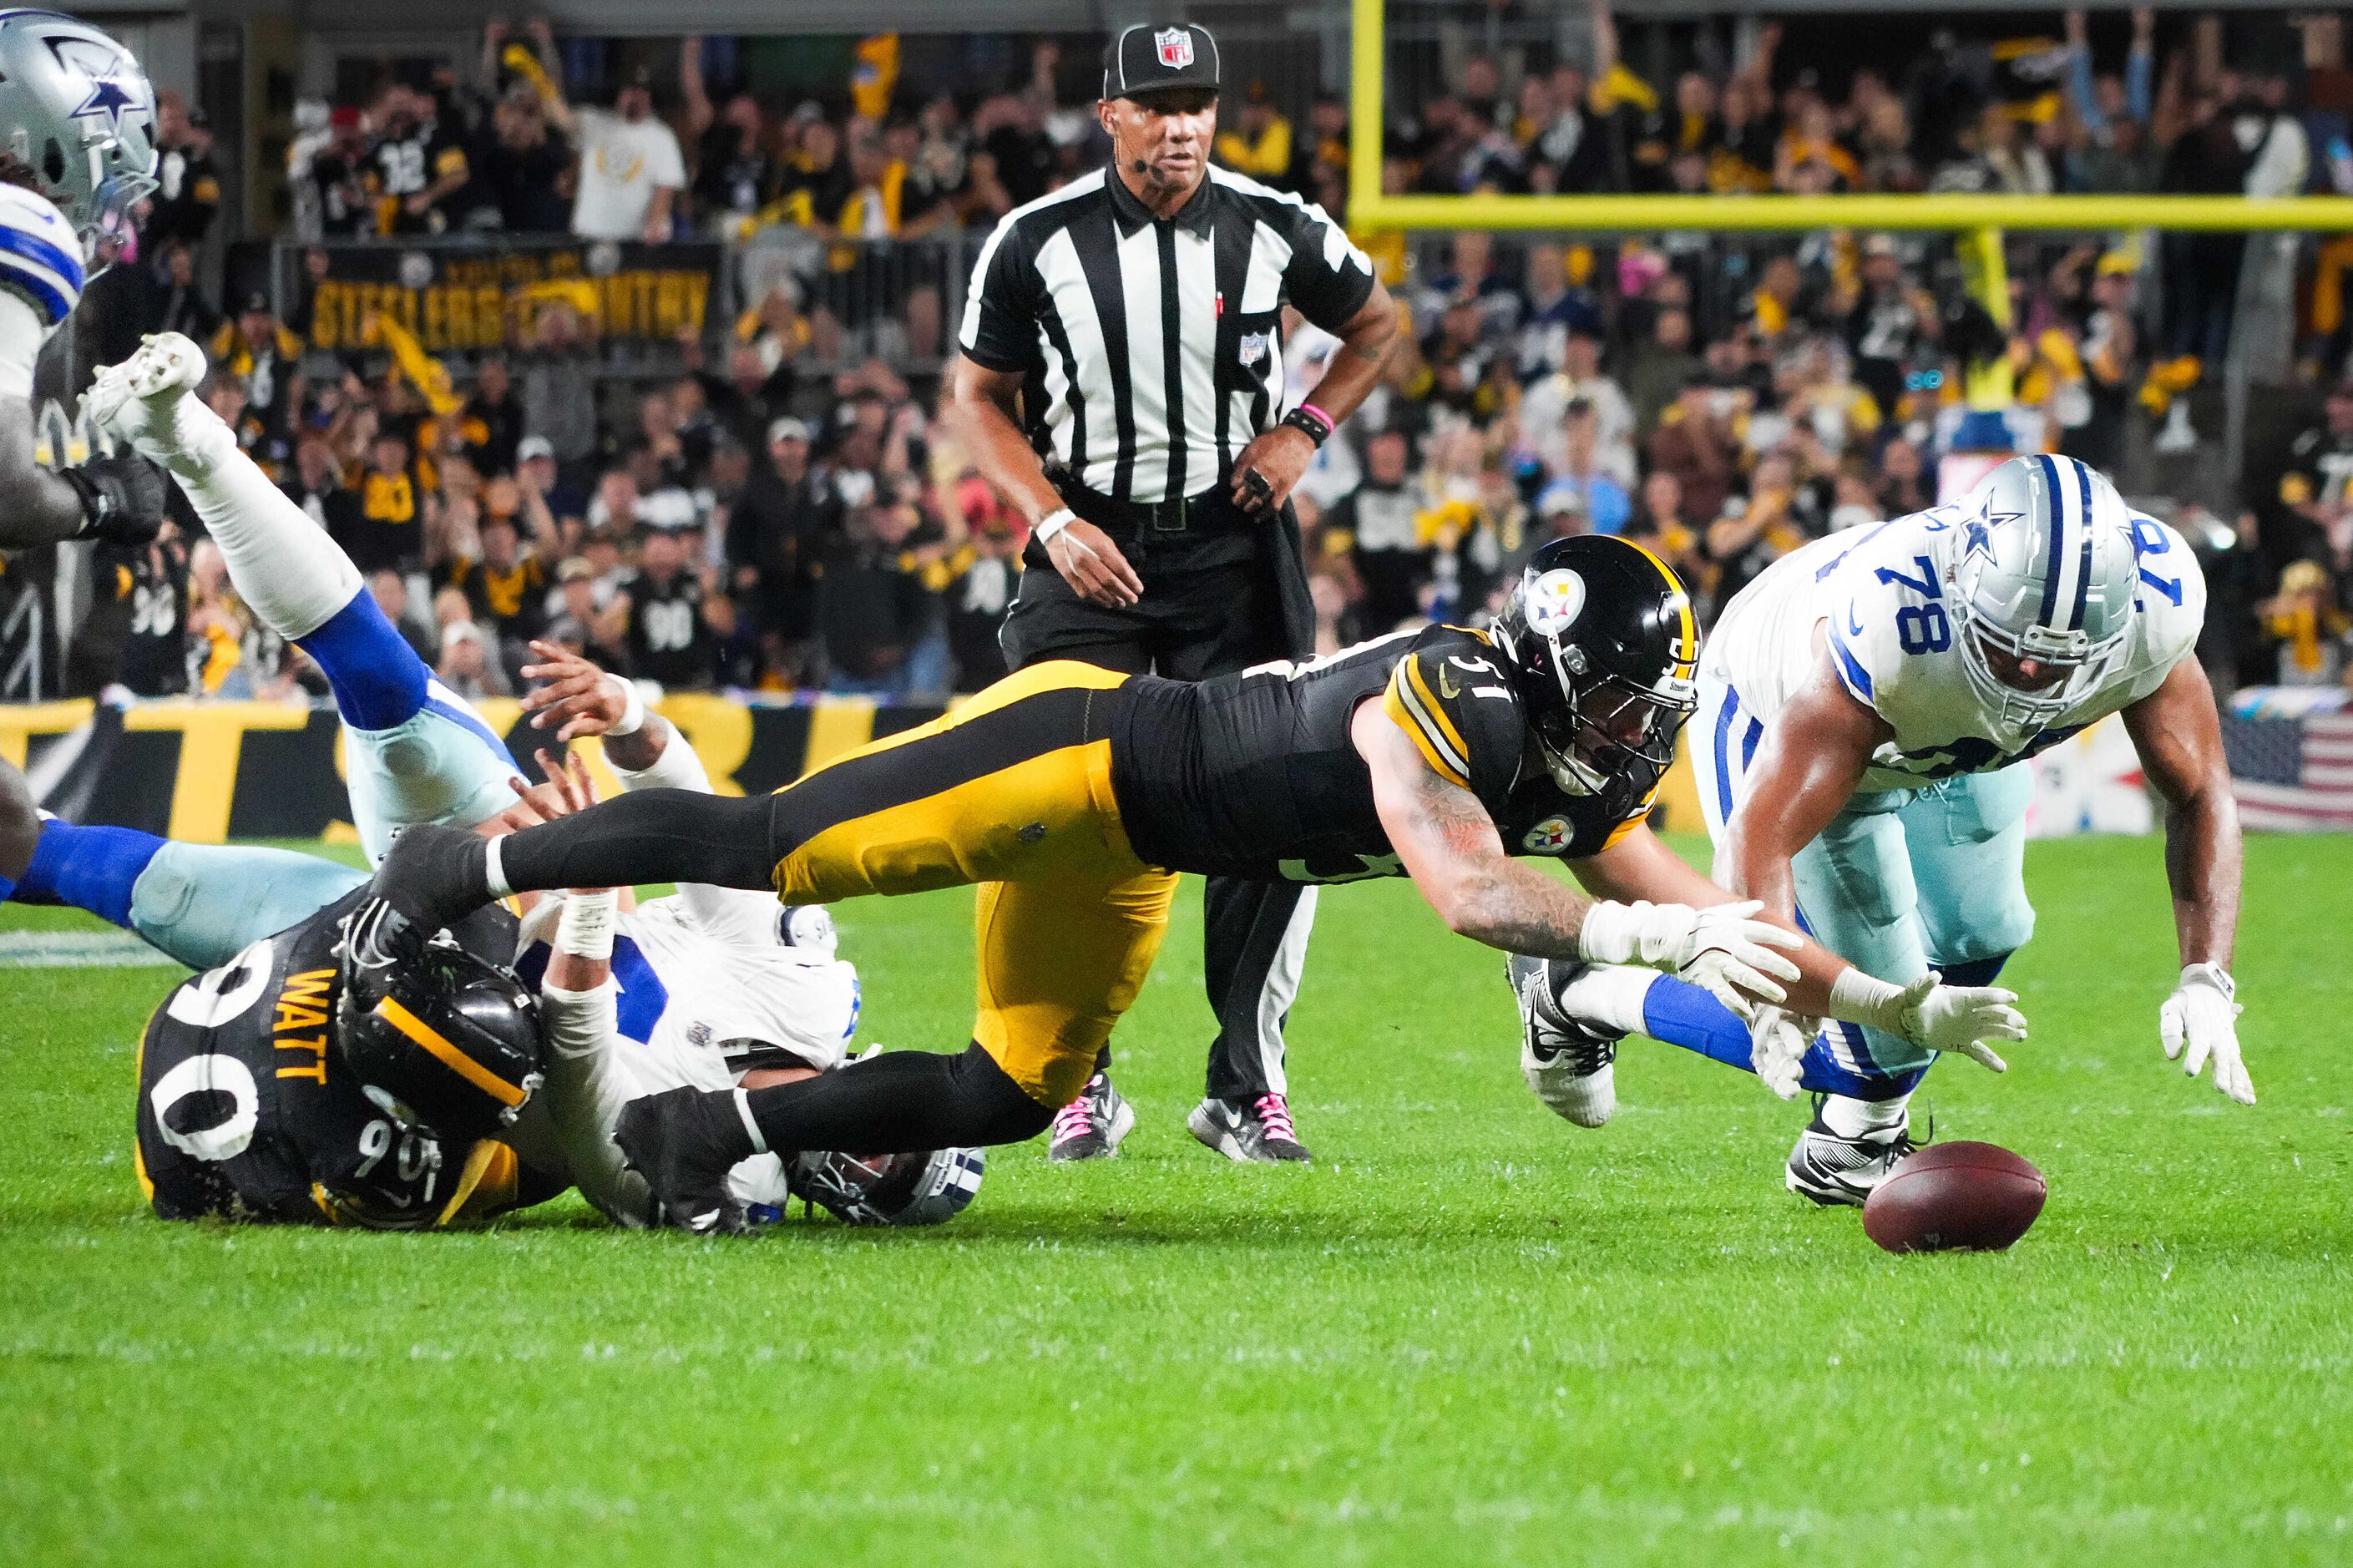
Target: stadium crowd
x,y
787,510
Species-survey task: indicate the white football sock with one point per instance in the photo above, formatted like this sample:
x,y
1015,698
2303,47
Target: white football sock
x,y
283,564
1861,1117
1611,996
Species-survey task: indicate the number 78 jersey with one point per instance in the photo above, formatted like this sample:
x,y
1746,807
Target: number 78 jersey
x,y
1884,596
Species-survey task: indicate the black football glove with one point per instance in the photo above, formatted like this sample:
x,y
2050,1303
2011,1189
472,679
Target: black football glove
x,y
122,499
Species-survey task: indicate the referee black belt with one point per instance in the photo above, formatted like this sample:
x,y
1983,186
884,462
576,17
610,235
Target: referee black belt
x,y
1211,512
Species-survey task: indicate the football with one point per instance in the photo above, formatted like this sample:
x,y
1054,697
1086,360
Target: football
x,y
1948,1197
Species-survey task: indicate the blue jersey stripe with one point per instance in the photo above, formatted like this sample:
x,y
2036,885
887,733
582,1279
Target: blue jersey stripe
x,y
2084,569
2058,537
54,306
39,251
1723,751
1857,679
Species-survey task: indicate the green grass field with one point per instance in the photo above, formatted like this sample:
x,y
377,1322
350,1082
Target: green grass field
x,y
1472,1332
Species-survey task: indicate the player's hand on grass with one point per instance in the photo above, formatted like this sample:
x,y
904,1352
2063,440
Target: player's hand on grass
x,y
1961,1019
1092,565
574,693
2202,1015
1723,950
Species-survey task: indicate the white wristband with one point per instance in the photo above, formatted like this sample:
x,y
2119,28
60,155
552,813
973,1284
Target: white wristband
x,y
1859,998
633,707
2212,974
584,930
1053,523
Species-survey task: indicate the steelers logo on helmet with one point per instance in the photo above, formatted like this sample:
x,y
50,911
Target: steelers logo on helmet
x,y
1555,600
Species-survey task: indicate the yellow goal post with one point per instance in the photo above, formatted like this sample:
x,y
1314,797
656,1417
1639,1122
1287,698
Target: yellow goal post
x,y
1368,209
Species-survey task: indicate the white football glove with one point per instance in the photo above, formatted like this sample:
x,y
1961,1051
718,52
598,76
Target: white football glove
x,y
1932,1014
1720,949
1777,1043
2201,1015
1961,1019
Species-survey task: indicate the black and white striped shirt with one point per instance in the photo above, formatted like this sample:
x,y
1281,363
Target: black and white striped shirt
x,y
1152,349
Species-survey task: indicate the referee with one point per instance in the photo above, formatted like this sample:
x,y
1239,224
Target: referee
x,y
1123,383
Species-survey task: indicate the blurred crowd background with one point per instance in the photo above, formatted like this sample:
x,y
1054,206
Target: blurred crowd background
x,y
765,499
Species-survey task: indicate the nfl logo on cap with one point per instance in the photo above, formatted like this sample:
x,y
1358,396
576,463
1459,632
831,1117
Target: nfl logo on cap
x,y
1175,45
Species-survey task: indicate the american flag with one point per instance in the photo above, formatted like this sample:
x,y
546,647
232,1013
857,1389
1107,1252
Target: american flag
x,y
2293,775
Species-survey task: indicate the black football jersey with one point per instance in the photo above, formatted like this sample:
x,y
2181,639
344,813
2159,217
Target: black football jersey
x,y
246,1112
1255,775
668,640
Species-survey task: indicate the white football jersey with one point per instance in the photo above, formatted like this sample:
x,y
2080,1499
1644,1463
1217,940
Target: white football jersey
x,y
713,991
1881,592
40,281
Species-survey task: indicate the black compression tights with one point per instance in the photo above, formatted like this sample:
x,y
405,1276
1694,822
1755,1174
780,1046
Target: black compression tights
x,y
651,836
901,1102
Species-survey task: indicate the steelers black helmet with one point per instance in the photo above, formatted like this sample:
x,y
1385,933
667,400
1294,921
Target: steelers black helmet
x,y
1602,648
452,1046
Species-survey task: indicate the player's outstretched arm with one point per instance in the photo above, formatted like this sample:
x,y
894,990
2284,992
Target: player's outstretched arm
x,y
1450,846
1930,1013
2179,736
1814,754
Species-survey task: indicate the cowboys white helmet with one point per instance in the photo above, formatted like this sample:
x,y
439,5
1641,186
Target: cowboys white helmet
x,y
77,107
2046,574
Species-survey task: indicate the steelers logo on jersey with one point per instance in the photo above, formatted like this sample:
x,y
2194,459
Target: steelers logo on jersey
x,y
1551,835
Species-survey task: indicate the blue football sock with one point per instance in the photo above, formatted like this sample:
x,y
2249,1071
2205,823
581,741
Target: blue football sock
x,y
1680,1014
377,679
91,868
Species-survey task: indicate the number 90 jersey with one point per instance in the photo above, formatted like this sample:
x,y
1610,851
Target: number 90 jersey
x,y
246,1112
1882,595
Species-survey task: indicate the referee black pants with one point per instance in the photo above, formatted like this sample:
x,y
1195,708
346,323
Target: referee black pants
x,y
1217,599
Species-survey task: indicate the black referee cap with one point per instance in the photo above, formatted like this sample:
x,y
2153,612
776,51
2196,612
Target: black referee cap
x,y
1147,58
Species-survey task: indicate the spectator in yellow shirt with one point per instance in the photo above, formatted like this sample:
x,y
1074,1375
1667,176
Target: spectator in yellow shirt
x,y
1260,143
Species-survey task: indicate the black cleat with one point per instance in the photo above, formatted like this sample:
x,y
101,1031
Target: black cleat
x,y
435,877
430,879
683,1141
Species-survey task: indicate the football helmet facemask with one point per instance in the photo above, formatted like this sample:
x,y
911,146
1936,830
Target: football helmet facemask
x,y
1603,651
928,1188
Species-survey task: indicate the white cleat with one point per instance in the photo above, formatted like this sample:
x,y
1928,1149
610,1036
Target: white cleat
x,y
1569,1062
149,402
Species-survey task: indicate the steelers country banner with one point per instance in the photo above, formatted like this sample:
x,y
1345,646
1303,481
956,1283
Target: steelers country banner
x,y
208,772
453,300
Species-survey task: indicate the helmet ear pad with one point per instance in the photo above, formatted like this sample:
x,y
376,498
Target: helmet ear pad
x,y
455,1045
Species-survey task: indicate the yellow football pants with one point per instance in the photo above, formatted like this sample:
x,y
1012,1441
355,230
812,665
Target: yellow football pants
x,y
1012,791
